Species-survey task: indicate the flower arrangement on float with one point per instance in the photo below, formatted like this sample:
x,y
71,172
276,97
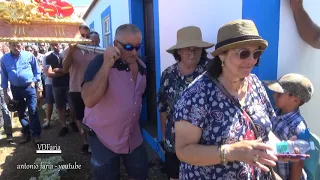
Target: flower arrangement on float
x,y
39,21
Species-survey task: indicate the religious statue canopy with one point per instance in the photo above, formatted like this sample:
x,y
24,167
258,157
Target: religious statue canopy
x,y
39,21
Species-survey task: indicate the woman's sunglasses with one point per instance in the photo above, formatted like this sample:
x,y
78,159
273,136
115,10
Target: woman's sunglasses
x,y
129,47
245,54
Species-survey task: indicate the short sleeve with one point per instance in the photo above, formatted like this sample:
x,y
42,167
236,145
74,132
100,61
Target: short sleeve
x,y
93,68
48,61
193,105
162,98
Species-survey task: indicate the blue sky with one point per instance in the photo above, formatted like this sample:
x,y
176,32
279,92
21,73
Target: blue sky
x,y
80,2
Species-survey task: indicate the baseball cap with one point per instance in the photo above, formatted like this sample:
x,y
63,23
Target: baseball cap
x,y
296,84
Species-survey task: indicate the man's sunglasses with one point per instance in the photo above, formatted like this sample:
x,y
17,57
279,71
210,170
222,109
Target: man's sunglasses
x,y
245,54
129,47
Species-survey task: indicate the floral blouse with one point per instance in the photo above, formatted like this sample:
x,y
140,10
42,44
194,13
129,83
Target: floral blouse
x,y
205,106
172,85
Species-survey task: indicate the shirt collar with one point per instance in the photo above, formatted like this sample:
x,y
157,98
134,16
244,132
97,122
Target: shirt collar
x,y
57,54
121,66
288,115
13,55
200,66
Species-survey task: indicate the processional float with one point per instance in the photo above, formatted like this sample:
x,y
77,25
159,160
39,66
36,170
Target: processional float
x,y
41,21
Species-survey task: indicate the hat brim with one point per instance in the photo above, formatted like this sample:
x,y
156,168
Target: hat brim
x,y
274,86
184,44
263,44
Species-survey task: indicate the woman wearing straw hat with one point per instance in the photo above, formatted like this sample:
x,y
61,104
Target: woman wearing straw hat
x,y
191,57
215,138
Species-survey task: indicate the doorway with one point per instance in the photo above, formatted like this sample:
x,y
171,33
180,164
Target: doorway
x,y
150,62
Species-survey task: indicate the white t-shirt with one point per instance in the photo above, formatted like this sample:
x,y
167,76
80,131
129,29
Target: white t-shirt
x,y
48,81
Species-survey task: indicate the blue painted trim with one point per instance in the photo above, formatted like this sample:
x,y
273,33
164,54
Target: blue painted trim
x,y
105,13
136,17
266,15
130,12
91,26
157,57
153,143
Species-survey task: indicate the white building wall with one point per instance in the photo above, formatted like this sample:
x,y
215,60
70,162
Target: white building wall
x,y
297,56
294,55
209,15
119,15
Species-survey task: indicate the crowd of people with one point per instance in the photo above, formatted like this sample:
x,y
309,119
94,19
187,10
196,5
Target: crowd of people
x,y
52,72
216,116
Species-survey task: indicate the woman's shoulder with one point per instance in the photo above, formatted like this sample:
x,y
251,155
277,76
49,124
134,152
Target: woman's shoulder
x,y
256,81
170,69
201,84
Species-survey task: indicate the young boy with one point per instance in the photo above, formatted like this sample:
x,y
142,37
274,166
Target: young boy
x,y
290,92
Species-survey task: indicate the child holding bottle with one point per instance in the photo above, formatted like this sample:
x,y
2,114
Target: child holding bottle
x,y
290,92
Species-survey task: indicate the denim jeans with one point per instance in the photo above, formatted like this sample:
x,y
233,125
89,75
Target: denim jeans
x,y
27,97
105,163
6,115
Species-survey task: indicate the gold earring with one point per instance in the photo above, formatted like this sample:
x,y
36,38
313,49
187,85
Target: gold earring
x,y
222,63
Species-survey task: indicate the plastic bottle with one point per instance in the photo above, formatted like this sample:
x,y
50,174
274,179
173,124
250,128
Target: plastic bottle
x,y
287,147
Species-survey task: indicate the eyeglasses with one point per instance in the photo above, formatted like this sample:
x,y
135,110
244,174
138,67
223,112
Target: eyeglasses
x,y
245,54
189,51
129,47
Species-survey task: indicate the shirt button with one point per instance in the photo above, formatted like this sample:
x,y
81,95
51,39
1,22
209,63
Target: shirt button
x,y
135,102
134,114
130,79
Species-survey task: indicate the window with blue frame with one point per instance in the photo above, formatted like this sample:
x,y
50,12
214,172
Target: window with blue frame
x,y
106,27
91,26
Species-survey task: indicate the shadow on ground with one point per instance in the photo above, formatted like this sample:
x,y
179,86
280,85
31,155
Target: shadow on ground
x,y
14,155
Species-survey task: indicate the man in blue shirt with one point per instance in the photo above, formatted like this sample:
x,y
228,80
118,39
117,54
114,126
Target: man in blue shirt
x,y
21,70
6,115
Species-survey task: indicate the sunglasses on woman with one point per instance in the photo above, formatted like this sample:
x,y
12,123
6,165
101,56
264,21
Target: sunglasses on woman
x,y
245,54
129,47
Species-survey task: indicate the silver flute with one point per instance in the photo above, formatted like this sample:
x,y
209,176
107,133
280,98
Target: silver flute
x,y
91,49
99,50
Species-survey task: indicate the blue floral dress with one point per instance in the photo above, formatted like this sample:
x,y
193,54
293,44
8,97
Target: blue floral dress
x,y
205,106
172,85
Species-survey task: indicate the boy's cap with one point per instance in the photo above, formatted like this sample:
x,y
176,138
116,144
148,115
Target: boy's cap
x,y
296,84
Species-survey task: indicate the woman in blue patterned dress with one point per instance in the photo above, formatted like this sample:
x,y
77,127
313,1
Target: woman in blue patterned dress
x,y
214,138
191,57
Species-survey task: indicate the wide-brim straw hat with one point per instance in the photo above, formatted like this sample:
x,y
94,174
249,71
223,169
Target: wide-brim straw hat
x,y
236,34
190,36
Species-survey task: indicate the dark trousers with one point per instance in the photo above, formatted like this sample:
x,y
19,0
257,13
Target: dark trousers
x,y
105,163
27,97
43,80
